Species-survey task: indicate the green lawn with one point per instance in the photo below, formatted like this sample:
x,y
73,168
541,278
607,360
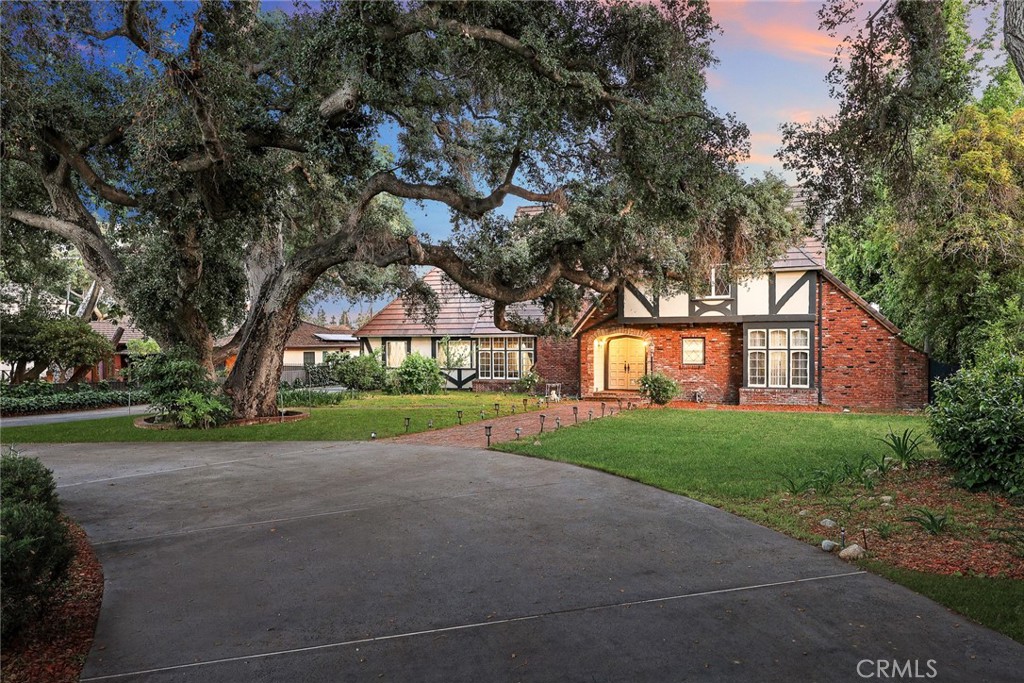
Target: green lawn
x,y
717,456
352,420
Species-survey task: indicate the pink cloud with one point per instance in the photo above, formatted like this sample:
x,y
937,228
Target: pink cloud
x,y
788,29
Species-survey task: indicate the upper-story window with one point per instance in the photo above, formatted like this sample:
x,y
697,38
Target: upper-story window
x,y
721,286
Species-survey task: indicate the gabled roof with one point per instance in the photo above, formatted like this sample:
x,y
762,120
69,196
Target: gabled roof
x,y
460,314
308,335
808,255
107,329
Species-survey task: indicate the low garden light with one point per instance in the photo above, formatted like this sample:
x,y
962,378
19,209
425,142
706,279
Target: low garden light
x,y
373,436
496,408
542,416
590,414
602,408
558,423
460,416
575,414
487,431
513,408
620,405
519,432
407,420
430,424
525,401
481,414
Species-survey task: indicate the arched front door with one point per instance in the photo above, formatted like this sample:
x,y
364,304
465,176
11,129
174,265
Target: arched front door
x,y
626,363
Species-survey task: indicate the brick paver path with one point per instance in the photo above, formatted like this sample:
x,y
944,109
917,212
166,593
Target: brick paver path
x,y
504,428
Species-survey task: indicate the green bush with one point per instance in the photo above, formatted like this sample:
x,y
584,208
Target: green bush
x,y
194,409
361,373
320,375
57,401
658,388
291,398
26,480
180,390
35,548
417,375
977,422
527,383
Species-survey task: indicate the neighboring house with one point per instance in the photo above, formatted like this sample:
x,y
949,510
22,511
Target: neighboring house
x,y
118,334
309,344
796,335
471,351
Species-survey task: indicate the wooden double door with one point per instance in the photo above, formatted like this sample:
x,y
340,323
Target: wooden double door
x,y
625,363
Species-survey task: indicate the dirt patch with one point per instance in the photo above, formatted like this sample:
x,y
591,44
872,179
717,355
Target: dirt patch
x,y
54,649
983,532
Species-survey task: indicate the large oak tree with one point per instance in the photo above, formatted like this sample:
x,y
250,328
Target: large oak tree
x,y
212,163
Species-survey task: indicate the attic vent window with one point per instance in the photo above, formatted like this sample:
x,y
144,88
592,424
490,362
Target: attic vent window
x,y
721,285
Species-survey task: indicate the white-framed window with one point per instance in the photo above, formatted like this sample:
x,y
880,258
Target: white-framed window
x,y
779,358
455,353
757,358
693,351
395,352
721,286
505,357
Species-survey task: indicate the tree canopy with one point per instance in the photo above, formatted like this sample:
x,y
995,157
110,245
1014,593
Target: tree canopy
x,y
212,162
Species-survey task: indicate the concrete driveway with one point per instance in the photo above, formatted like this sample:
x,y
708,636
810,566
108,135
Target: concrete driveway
x,y
350,562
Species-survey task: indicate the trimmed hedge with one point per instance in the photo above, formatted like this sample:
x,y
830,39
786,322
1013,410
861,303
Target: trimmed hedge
x,y
35,548
68,400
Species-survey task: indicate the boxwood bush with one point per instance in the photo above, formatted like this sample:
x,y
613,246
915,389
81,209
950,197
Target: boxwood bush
x,y
59,401
416,375
35,548
977,422
658,388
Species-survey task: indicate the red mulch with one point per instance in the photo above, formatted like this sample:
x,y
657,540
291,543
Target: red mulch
x,y
971,544
54,650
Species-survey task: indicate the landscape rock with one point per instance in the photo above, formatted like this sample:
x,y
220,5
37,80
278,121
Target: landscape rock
x,y
852,552
827,523
828,546
804,513
885,499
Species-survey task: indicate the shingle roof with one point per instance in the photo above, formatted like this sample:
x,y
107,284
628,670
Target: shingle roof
x,y
308,335
808,255
460,315
107,328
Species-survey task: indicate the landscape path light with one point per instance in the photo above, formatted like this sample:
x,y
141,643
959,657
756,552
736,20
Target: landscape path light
x,y
407,420
487,431
542,416
575,414
460,416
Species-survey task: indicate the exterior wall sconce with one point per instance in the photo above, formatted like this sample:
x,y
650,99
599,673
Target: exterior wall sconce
x,y
487,431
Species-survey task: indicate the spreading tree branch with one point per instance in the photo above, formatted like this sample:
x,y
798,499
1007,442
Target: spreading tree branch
x,y
78,162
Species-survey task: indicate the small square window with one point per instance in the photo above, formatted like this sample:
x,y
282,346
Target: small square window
x,y
693,351
777,339
757,339
800,339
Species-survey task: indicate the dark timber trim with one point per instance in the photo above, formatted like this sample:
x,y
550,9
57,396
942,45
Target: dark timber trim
x,y
715,319
651,306
775,304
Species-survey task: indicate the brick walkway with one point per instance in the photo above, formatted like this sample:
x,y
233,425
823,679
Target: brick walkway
x,y
504,428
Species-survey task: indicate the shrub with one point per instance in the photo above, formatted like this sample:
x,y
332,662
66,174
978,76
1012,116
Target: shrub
x,y
56,401
194,409
417,375
527,383
26,480
977,422
35,548
181,391
362,373
658,388
320,375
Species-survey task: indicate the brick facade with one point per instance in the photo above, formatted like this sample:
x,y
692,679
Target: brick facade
x,y
558,360
718,380
864,364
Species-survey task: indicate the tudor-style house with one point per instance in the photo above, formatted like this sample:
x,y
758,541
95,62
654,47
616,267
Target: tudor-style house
x,y
795,335
472,352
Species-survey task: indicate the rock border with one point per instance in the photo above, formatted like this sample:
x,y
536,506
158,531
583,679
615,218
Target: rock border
x,y
288,416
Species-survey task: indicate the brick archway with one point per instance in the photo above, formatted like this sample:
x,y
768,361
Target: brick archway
x,y
592,349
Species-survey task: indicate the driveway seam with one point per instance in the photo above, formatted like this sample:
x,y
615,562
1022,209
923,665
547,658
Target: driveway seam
x,y
464,627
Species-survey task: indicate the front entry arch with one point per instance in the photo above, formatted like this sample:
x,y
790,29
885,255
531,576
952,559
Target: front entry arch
x,y
625,363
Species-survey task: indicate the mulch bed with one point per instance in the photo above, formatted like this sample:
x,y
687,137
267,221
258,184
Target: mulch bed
x,y
54,649
984,535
